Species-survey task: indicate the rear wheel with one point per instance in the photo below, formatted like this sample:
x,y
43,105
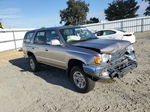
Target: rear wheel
x,y
33,63
81,82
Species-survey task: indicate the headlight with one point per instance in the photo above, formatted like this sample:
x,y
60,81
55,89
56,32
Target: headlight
x,y
130,49
103,58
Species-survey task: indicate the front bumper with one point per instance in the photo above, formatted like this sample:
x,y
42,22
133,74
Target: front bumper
x,y
117,68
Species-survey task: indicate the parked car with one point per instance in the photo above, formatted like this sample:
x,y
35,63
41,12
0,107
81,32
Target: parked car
x,y
78,51
116,34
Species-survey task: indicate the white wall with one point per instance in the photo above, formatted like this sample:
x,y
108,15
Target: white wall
x,y
11,38
138,24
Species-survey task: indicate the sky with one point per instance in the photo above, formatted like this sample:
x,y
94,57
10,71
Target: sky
x,y
45,13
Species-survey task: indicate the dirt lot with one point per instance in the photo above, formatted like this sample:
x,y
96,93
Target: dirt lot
x,y
50,91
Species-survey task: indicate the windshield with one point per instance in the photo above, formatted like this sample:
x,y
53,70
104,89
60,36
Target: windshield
x,y
77,34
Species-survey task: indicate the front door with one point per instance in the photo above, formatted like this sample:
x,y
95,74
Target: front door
x,y
54,54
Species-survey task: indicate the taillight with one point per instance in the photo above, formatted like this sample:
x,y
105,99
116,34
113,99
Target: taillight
x,y
127,35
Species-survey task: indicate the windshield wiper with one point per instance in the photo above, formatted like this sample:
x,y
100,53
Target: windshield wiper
x,y
82,40
88,39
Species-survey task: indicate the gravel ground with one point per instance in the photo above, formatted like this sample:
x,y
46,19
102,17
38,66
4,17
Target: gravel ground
x,y
50,90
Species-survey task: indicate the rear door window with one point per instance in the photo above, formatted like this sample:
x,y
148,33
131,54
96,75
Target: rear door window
x,y
40,37
28,37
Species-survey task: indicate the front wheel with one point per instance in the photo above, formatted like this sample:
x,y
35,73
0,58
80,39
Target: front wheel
x,y
81,82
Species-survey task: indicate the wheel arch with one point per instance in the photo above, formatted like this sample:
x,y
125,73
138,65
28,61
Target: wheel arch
x,y
72,63
30,54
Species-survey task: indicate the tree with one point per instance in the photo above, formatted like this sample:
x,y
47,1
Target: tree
x,y
75,13
146,0
147,11
1,25
121,9
92,20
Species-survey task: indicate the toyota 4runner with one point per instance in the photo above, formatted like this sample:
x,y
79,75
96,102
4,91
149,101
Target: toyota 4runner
x,y
78,51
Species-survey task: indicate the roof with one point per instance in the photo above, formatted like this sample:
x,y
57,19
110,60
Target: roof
x,y
60,27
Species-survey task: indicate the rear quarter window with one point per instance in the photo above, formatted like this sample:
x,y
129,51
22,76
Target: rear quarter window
x,y
109,32
100,33
28,37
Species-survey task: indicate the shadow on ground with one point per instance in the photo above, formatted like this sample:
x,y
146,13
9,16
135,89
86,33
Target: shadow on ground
x,y
50,74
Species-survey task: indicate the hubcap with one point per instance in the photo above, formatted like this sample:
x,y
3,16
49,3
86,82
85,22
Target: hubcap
x,y
79,80
32,64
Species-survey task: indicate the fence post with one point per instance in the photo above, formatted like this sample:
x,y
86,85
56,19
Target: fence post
x,y
142,25
14,40
121,25
136,24
103,25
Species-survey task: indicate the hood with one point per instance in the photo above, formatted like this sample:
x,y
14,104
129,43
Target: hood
x,y
104,46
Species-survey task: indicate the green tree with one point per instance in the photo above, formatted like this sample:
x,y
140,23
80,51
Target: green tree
x,y
1,25
147,11
121,9
75,13
92,20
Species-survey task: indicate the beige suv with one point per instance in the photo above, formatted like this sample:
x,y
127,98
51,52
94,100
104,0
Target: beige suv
x,y
78,51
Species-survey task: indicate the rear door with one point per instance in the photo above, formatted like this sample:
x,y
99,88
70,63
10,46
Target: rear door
x,y
39,45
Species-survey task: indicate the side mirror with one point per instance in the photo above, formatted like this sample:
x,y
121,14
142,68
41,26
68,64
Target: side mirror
x,y
55,42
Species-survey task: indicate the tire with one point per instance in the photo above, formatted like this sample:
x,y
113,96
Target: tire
x,y
81,82
33,64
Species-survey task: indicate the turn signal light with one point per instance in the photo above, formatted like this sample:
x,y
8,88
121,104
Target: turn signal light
x,y
97,60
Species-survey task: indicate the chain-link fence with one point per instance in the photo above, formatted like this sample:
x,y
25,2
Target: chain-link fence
x,y
139,24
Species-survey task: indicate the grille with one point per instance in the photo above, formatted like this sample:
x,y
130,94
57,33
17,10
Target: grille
x,y
118,54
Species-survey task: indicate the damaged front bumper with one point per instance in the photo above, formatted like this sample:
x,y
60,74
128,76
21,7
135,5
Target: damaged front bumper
x,y
117,68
